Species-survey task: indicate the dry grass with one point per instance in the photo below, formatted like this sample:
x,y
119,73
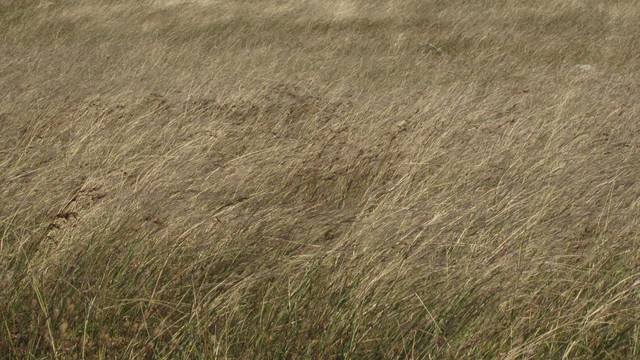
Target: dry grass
x,y
314,179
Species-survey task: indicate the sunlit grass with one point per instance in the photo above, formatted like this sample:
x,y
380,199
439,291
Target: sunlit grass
x,y
335,179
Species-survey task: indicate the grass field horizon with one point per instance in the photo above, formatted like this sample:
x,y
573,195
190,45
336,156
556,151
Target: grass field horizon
x,y
340,179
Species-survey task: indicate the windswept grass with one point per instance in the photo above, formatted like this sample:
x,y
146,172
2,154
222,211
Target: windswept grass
x,y
314,179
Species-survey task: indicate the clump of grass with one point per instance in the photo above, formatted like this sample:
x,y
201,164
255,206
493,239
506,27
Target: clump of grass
x,y
307,180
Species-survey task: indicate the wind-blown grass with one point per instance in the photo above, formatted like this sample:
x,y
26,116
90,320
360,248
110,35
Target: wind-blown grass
x,y
286,179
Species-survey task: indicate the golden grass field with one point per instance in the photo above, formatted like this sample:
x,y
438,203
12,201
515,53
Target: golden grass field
x,y
335,179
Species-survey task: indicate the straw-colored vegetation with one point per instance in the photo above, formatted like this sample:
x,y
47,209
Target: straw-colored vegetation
x,y
320,179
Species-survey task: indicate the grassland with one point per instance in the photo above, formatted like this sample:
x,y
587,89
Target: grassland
x,y
336,179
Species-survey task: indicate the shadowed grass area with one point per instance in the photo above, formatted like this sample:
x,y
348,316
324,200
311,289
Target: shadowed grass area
x,y
337,179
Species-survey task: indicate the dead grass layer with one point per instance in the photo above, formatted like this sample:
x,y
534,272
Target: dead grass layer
x,y
288,179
